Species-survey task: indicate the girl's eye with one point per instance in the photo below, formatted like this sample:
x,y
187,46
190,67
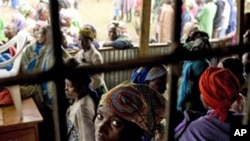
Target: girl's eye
x,y
116,123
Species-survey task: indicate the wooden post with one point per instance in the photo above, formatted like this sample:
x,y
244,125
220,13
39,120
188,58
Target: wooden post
x,y
145,28
173,76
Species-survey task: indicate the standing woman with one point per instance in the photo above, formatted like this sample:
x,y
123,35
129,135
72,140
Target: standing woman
x,y
206,17
89,55
129,112
80,115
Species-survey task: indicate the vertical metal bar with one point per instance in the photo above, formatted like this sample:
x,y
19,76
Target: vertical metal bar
x,y
59,101
240,20
145,28
173,79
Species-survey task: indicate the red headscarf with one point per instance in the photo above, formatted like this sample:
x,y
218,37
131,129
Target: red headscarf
x,y
219,88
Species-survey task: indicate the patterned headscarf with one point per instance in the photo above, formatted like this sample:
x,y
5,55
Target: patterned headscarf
x,y
25,9
219,88
138,104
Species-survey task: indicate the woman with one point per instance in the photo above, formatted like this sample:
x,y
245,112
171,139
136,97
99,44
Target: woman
x,y
81,113
117,38
128,112
89,55
188,98
157,79
38,57
219,89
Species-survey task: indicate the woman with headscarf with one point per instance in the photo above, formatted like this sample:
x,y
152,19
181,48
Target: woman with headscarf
x,y
128,112
188,98
89,55
156,78
29,13
81,113
219,89
19,20
38,57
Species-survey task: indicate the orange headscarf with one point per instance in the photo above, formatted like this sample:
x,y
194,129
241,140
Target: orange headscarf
x,y
219,88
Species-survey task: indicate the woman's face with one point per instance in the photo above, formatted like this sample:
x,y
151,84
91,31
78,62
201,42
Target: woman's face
x,y
70,89
113,34
9,31
108,126
39,34
159,84
44,15
85,43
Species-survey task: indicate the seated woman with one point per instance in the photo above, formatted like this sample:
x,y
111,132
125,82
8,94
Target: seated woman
x,y
219,89
128,112
117,38
70,31
10,31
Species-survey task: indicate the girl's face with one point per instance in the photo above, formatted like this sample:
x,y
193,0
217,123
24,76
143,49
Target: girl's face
x,y
70,89
85,43
108,126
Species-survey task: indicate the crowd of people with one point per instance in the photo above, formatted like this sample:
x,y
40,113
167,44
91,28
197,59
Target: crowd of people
x,y
135,110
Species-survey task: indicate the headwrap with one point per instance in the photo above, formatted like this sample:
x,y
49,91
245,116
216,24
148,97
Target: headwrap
x,y
92,28
199,39
219,88
25,9
66,15
88,31
138,104
155,72
19,20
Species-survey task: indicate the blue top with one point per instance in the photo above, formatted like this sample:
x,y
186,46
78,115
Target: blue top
x,y
123,42
189,88
4,57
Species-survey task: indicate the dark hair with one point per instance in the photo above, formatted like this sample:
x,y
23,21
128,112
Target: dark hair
x,y
81,80
235,66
